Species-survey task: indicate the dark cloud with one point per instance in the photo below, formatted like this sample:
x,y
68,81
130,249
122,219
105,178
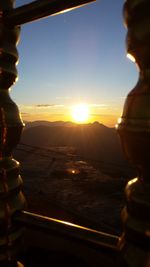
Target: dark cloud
x,y
44,105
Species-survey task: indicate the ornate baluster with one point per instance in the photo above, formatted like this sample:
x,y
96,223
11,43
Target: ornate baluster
x,y
134,130
11,198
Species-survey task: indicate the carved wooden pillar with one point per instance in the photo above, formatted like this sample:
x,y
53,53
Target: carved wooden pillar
x,y
11,198
134,131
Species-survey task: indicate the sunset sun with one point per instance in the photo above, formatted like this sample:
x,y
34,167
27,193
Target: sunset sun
x,y
80,113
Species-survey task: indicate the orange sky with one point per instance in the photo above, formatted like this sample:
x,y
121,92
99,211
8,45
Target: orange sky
x,y
98,113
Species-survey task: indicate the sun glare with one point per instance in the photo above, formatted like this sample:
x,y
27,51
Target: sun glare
x,y
80,113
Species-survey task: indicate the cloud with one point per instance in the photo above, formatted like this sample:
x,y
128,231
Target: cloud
x,y
104,115
44,105
48,106
24,113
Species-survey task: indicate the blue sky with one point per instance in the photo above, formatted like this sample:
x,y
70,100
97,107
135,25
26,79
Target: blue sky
x,y
74,57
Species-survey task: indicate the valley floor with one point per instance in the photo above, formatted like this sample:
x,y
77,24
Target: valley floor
x,y
59,184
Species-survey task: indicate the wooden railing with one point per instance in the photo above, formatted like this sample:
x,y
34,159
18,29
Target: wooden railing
x,y
133,128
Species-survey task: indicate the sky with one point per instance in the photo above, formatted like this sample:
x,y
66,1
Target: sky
x,y
71,58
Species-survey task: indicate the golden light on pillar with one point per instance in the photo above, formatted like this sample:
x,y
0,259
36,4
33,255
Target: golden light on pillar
x,y
134,131
131,57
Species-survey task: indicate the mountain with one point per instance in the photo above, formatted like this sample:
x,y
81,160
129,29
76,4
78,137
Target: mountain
x,y
69,134
47,123
94,142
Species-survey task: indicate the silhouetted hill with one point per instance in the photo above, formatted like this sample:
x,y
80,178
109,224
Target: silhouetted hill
x,y
94,142
47,123
81,136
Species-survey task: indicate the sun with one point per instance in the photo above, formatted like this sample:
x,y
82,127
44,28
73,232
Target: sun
x,y
80,113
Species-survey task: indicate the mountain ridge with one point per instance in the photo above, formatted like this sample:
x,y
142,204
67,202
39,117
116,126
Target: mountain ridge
x,y
29,124
93,142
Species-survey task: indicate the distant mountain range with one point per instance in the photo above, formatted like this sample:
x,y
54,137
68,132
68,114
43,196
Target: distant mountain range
x,y
47,123
94,141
